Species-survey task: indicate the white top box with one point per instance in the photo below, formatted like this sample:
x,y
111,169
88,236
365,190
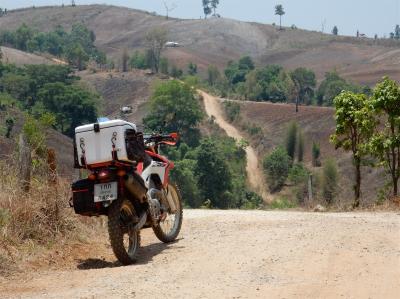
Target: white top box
x,y
95,141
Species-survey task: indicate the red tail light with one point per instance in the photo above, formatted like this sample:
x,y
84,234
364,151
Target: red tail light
x,y
103,174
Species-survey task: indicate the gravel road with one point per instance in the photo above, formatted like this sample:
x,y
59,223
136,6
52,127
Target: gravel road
x,y
244,254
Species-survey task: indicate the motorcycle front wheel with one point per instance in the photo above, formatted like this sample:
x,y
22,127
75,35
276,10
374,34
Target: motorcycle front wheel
x,y
168,229
125,241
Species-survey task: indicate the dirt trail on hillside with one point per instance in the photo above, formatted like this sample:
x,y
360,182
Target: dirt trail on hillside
x,y
241,254
254,173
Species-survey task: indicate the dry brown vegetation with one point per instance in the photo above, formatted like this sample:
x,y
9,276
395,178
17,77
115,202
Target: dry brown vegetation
x,y
38,229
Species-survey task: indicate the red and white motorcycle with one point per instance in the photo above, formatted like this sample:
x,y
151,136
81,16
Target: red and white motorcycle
x,y
128,182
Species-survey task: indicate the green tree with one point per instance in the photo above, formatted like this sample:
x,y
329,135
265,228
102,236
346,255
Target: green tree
x,y
18,86
206,8
291,140
332,86
277,166
155,43
335,30
385,143
329,181
183,173
279,11
214,4
164,66
236,71
22,36
77,56
305,81
138,61
10,121
174,107
397,32
71,105
213,75
192,69
213,174
176,72
354,127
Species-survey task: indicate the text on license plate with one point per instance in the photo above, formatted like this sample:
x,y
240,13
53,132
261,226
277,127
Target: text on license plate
x,y
105,192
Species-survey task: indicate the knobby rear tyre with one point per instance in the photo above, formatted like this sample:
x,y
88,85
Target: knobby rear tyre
x,y
117,231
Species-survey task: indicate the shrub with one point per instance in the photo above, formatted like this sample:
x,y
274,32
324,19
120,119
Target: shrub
x,y
282,203
316,153
232,110
329,181
277,166
291,139
298,174
300,147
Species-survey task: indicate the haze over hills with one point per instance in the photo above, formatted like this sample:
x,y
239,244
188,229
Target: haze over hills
x,y
218,40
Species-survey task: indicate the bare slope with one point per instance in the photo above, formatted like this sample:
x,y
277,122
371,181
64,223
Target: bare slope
x,y
20,58
219,40
231,254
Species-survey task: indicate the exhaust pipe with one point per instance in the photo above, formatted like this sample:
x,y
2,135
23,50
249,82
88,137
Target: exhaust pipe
x,y
136,187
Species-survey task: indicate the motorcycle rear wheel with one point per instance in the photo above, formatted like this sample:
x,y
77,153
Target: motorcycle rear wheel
x,y
125,241
168,230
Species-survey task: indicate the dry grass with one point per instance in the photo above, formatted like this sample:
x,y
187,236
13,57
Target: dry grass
x,y
32,224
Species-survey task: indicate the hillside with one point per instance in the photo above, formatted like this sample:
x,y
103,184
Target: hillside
x,y
317,124
218,40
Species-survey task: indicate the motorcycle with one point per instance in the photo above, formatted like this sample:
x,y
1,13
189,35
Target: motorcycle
x,y
128,182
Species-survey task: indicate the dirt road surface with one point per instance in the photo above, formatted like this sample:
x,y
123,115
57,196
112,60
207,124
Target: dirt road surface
x,y
243,254
254,172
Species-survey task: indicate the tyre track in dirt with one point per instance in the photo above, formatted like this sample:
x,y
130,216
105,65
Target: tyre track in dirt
x,y
255,175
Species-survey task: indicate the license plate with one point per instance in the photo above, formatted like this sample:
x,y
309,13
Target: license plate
x,y
105,192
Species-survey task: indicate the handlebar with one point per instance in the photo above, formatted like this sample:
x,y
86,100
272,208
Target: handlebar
x,y
170,139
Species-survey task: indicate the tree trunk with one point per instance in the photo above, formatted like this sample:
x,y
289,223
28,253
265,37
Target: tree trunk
x,y
25,163
395,185
280,22
357,186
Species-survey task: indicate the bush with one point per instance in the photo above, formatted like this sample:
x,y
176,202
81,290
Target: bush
x,y
277,166
300,147
298,174
330,181
282,204
316,153
232,110
187,182
291,139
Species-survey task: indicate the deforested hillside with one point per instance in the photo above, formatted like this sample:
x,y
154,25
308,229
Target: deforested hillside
x,y
218,40
18,57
